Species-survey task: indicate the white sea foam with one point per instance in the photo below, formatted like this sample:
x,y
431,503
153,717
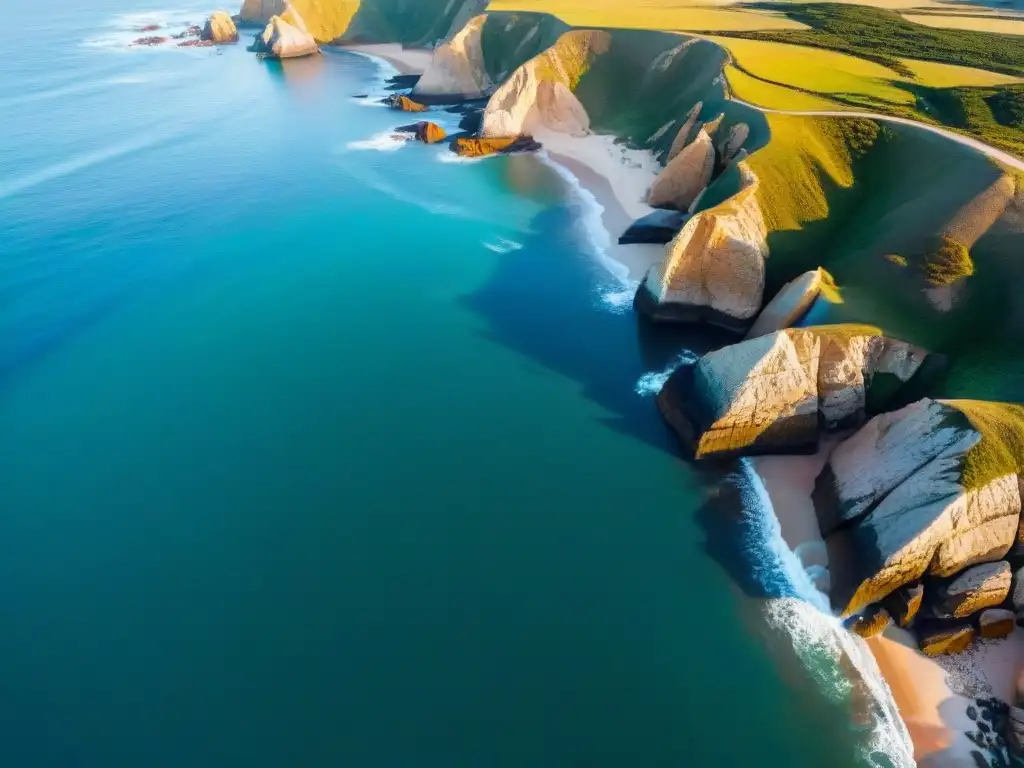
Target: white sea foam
x,y
839,662
386,141
503,245
618,299
650,384
451,157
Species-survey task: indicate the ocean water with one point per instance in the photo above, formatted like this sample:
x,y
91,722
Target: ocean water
x,y
318,449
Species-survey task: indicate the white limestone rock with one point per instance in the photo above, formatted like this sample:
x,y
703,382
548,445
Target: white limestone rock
x,y
789,304
685,177
457,67
509,107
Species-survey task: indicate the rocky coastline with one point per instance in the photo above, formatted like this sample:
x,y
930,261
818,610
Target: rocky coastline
x,y
916,498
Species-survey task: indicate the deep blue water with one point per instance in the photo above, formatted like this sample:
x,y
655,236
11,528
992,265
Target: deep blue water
x,y
313,454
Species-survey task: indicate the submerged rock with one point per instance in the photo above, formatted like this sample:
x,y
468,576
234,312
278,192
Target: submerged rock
x,y
714,269
148,28
192,31
945,641
658,227
979,587
151,41
791,303
196,43
220,29
996,623
685,177
904,497
473,147
404,103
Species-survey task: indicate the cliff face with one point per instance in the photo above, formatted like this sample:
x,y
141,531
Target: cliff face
x,y
457,69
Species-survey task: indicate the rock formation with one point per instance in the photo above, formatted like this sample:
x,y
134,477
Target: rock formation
x,y
683,137
714,269
791,303
260,11
870,623
771,394
657,227
457,70
944,641
996,623
220,29
559,110
979,587
404,103
428,133
921,491
511,104
733,143
685,177
904,604
470,147
286,39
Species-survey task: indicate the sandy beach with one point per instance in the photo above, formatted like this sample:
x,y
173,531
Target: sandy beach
x,y
932,695
408,61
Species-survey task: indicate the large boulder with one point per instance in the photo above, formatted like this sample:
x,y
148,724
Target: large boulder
x,y
659,227
509,107
929,489
685,134
772,393
905,603
757,397
286,39
470,147
559,110
1017,593
457,70
713,270
791,303
261,11
947,641
220,29
685,176
979,587
404,103
873,621
996,623
428,133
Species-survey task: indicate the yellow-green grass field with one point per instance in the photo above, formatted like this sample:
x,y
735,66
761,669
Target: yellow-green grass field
x,y
651,14
792,77
979,23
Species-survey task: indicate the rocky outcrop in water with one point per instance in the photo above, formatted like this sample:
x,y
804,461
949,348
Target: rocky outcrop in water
x,y
428,133
685,176
714,269
404,103
286,39
920,492
151,40
471,147
220,29
457,70
774,393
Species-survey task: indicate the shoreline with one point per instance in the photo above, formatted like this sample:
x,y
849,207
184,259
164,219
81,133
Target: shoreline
x,y
932,695
408,61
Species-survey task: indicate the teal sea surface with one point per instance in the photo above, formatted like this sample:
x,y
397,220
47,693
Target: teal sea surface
x,y
318,450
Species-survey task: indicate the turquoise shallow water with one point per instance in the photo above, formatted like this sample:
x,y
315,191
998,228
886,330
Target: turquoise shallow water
x,y
313,454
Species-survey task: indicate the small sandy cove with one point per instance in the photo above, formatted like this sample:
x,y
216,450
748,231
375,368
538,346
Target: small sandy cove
x,y
929,695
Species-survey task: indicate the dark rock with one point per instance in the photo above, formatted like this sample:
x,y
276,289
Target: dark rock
x,y
150,41
972,712
904,603
658,227
361,96
148,28
472,122
984,727
647,306
196,44
402,82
